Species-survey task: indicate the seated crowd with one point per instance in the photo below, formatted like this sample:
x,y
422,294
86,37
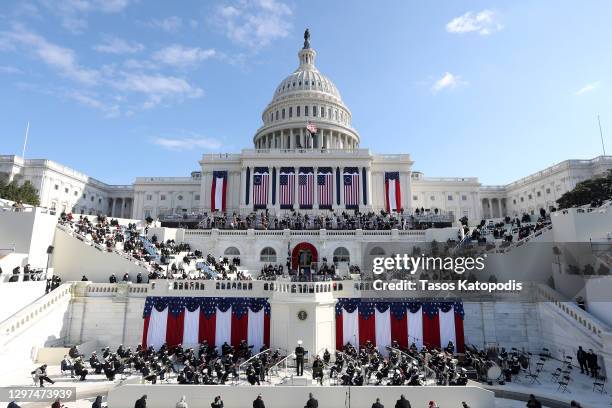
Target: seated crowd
x,y
343,220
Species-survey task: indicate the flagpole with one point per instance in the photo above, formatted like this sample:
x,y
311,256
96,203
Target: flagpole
x,y
25,142
601,136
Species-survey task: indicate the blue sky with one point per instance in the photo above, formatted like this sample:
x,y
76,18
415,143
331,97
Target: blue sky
x,y
122,88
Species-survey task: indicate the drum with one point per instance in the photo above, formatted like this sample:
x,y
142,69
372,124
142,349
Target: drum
x,y
493,371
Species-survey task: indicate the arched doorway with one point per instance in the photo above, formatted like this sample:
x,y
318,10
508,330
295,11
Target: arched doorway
x,y
302,256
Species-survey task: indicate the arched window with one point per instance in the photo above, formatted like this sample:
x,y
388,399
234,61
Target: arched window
x,y
377,251
267,255
231,251
341,254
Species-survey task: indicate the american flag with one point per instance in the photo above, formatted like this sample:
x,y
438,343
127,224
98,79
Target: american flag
x,y
287,188
261,184
312,128
305,188
325,187
351,187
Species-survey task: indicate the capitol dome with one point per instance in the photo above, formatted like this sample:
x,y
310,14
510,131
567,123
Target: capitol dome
x,y
306,96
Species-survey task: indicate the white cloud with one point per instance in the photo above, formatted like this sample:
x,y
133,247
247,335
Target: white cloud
x,y
157,87
7,69
484,23
168,24
587,88
116,45
449,81
188,143
60,58
114,89
73,13
180,56
254,23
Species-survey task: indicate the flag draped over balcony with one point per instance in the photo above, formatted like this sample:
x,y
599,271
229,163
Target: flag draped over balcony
x,y
430,324
191,320
305,187
261,184
286,187
325,187
351,187
393,196
218,191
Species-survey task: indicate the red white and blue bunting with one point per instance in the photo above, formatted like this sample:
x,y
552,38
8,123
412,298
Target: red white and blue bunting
x,y
191,320
431,324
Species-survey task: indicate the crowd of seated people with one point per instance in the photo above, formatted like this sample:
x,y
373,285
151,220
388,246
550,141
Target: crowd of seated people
x,y
342,220
367,365
204,364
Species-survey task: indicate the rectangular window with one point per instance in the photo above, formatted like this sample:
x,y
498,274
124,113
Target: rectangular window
x,y
149,197
539,194
76,193
530,196
56,187
283,114
162,197
66,190
463,198
147,213
322,112
415,198
276,115
92,198
271,116
548,191
450,198
314,111
297,111
305,110
197,197
290,112
432,198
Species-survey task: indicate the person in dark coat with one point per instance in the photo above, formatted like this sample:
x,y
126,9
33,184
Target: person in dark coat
x,y
11,404
258,402
97,403
217,403
141,402
581,356
533,402
377,404
592,363
299,358
402,402
312,402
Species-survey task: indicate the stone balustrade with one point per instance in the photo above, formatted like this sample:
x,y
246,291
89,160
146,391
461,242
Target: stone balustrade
x,y
28,316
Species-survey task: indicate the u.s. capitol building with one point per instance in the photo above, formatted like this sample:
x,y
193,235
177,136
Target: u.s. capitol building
x,y
306,156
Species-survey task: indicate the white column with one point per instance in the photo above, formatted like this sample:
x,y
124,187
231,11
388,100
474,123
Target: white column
x,y
499,205
302,138
290,139
369,187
